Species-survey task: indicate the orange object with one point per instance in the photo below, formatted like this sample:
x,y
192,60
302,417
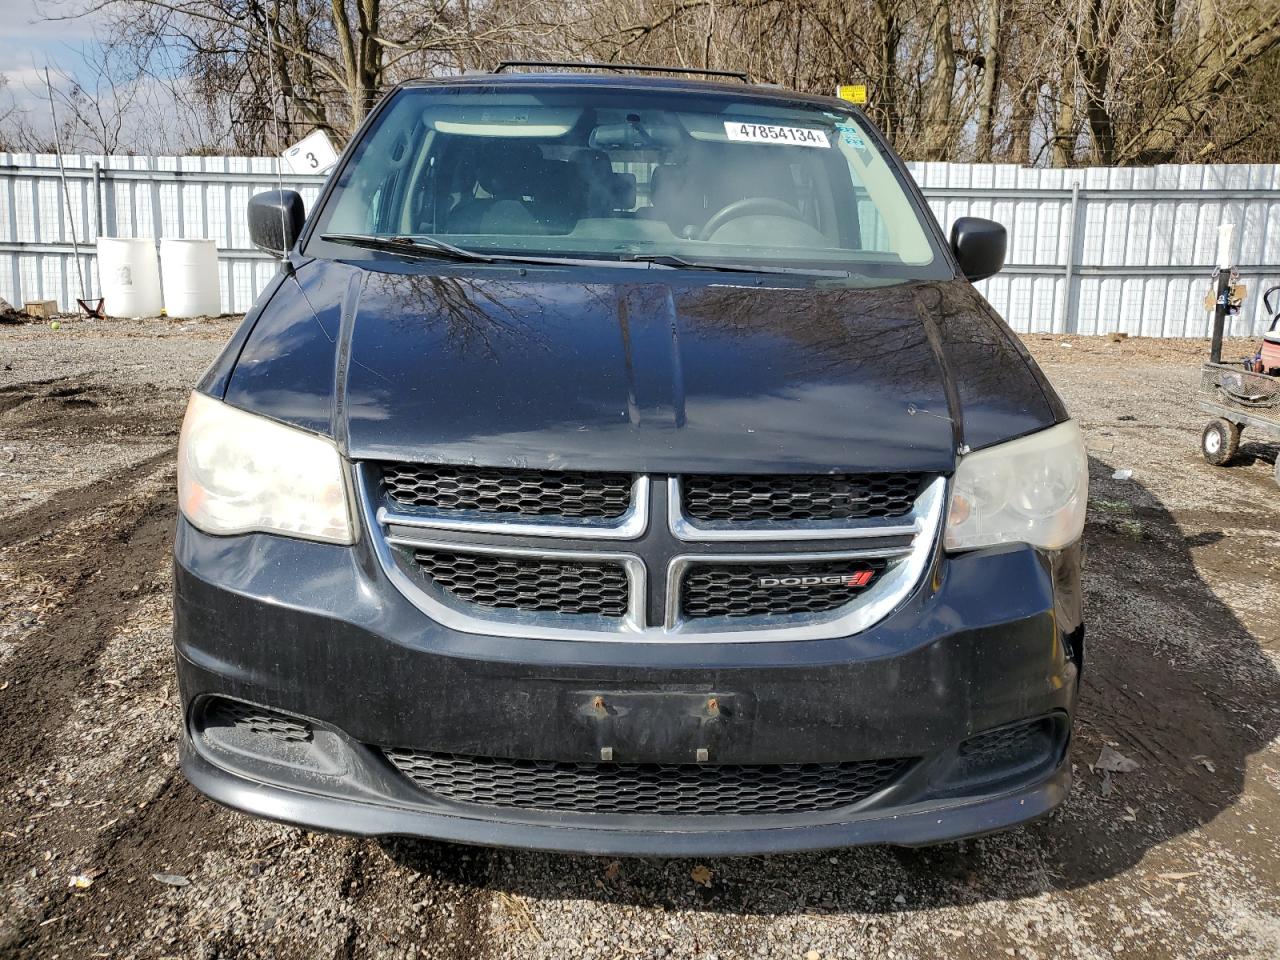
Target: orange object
x,y
1269,354
1271,350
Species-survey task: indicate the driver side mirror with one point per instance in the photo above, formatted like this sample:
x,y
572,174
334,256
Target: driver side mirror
x,y
275,220
979,246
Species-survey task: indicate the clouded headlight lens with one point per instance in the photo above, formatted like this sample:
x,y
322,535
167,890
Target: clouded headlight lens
x,y
1030,490
238,472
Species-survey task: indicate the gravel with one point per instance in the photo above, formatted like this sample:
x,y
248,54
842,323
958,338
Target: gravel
x,y
1178,858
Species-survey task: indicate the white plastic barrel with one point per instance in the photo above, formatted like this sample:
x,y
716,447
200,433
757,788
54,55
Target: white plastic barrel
x,y
189,272
129,275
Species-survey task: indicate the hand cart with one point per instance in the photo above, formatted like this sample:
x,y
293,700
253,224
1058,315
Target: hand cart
x,y
1238,398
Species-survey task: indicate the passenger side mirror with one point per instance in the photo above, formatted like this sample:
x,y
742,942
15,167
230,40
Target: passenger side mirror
x,y
275,220
979,246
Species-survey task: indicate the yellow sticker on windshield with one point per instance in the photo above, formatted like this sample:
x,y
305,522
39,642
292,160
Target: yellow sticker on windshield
x,y
853,92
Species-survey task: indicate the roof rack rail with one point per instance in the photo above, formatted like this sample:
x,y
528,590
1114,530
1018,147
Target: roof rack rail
x,y
646,67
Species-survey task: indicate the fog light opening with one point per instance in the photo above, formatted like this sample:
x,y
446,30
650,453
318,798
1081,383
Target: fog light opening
x,y
252,739
1003,753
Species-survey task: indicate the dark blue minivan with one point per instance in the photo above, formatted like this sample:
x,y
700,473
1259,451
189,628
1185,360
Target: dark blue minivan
x,y
627,464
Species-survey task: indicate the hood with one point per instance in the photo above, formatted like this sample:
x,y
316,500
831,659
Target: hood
x,y
572,369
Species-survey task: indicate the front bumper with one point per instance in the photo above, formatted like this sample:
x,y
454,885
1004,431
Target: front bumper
x,y
319,633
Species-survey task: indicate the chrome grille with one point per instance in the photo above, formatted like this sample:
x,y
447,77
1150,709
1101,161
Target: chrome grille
x,y
531,493
563,577
799,499
528,583
647,788
761,589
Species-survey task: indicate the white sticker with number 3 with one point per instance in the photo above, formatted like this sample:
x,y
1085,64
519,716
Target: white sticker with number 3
x,y
770,133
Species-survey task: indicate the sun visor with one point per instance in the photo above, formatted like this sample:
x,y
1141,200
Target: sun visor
x,y
711,127
514,120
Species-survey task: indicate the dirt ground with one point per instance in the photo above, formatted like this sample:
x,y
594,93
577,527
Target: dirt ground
x,y
1177,858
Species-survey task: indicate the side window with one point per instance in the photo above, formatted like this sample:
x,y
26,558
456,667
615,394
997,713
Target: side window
x,y
871,223
626,183
802,181
384,208
815,195
869,228
643,172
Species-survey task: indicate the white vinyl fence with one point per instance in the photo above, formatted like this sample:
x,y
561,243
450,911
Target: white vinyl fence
x,y
1105,249
184,197
1091,250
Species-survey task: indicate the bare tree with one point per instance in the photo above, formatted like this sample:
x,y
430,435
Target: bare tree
x,y
311,63
1023,81
19,132
97,103
8,113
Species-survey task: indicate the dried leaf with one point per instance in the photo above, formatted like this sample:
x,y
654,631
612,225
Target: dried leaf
x,y
1115,762
1205,762
701,874
171,879
612,870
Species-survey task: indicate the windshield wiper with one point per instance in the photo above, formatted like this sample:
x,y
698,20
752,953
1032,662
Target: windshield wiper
x,y
433,247
680,263
439,249
409,246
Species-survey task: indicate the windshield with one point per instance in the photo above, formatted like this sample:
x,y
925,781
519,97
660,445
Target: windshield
x,y
607,173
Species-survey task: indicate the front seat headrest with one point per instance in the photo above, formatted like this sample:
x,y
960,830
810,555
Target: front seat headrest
x,y
513,170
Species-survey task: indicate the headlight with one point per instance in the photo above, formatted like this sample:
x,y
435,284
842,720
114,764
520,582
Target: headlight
x,y
1030,490
239,473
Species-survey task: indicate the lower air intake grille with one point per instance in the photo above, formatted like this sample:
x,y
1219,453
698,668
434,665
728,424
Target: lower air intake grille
x,y
1007,742
221,712
799,499
646,788
528,583
540,493
753,590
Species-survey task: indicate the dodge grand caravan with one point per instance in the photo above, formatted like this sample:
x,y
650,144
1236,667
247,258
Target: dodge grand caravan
x,y
627,465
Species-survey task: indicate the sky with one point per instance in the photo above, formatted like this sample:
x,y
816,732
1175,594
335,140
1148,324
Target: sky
x,y
29,42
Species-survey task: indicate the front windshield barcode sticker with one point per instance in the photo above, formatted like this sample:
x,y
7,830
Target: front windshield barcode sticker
x,y
769,133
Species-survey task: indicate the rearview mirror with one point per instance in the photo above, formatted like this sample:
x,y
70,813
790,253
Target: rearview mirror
x,y
979,246
275,220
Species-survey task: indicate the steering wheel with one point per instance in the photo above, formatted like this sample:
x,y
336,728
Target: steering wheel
x,y
746,207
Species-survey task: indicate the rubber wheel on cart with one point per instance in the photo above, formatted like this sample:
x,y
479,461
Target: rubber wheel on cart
x,y
1220,441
